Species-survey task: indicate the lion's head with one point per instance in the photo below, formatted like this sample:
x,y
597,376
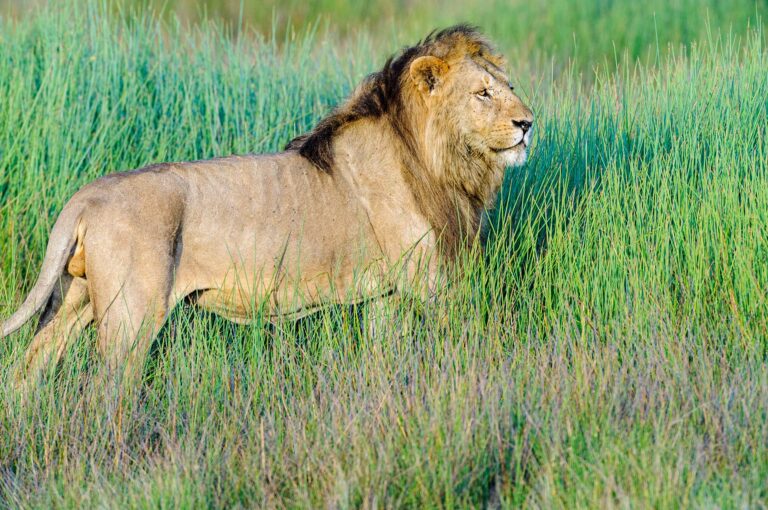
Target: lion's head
x,y
450,90
468,103
449,102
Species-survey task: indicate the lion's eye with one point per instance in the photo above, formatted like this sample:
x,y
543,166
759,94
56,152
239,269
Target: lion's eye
x,y
511,87
484,94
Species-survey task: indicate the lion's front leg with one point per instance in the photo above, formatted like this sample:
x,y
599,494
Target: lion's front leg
x,y
410,308
385,317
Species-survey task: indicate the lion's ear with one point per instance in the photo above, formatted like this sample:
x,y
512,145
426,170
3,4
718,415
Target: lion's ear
x,y
427,72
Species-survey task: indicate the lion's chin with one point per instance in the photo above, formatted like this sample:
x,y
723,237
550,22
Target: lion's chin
x,y
515,156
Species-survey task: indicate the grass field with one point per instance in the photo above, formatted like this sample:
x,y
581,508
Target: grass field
x,y
608,349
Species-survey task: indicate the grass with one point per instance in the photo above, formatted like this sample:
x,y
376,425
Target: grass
x,y
553,32
608,350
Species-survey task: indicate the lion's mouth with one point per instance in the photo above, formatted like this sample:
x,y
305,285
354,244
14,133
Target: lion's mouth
x,y
518,145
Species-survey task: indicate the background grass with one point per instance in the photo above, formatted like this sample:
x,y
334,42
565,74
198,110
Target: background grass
x,y
608,350
552,33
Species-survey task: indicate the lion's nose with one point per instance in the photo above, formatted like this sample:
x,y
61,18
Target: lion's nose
x,y
525,125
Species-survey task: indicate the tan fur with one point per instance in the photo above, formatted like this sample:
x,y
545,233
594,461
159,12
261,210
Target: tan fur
x,y
377,196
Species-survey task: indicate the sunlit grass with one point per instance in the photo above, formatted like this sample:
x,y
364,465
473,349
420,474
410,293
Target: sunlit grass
x,y
559,32
608,349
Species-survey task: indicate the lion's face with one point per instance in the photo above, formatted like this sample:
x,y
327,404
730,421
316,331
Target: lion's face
x,y
473,99
489,116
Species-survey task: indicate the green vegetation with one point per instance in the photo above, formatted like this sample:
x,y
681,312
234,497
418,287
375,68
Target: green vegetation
x,y
550,31
608,349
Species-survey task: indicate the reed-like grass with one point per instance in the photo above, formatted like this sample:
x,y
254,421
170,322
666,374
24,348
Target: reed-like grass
x,y
564,33
607,350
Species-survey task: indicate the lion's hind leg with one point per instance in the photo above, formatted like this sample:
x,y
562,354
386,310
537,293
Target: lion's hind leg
x,y
69,312
129,313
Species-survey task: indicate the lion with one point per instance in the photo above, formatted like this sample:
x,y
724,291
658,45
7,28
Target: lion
x,y
397,176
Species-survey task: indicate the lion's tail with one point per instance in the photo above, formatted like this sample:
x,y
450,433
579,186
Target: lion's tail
x,y
60,245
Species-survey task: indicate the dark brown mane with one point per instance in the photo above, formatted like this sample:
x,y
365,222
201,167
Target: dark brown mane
x,y
379,94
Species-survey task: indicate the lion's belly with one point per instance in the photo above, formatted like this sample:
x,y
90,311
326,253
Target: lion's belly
x,y
281,291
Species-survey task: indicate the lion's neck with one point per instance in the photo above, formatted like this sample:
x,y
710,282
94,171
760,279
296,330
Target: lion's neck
x,y
452,191
451,202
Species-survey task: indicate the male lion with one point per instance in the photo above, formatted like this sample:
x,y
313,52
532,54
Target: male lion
x,y
400,171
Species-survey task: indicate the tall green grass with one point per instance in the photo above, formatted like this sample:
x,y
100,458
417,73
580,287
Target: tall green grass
x,y
608,349
588,31
585,33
